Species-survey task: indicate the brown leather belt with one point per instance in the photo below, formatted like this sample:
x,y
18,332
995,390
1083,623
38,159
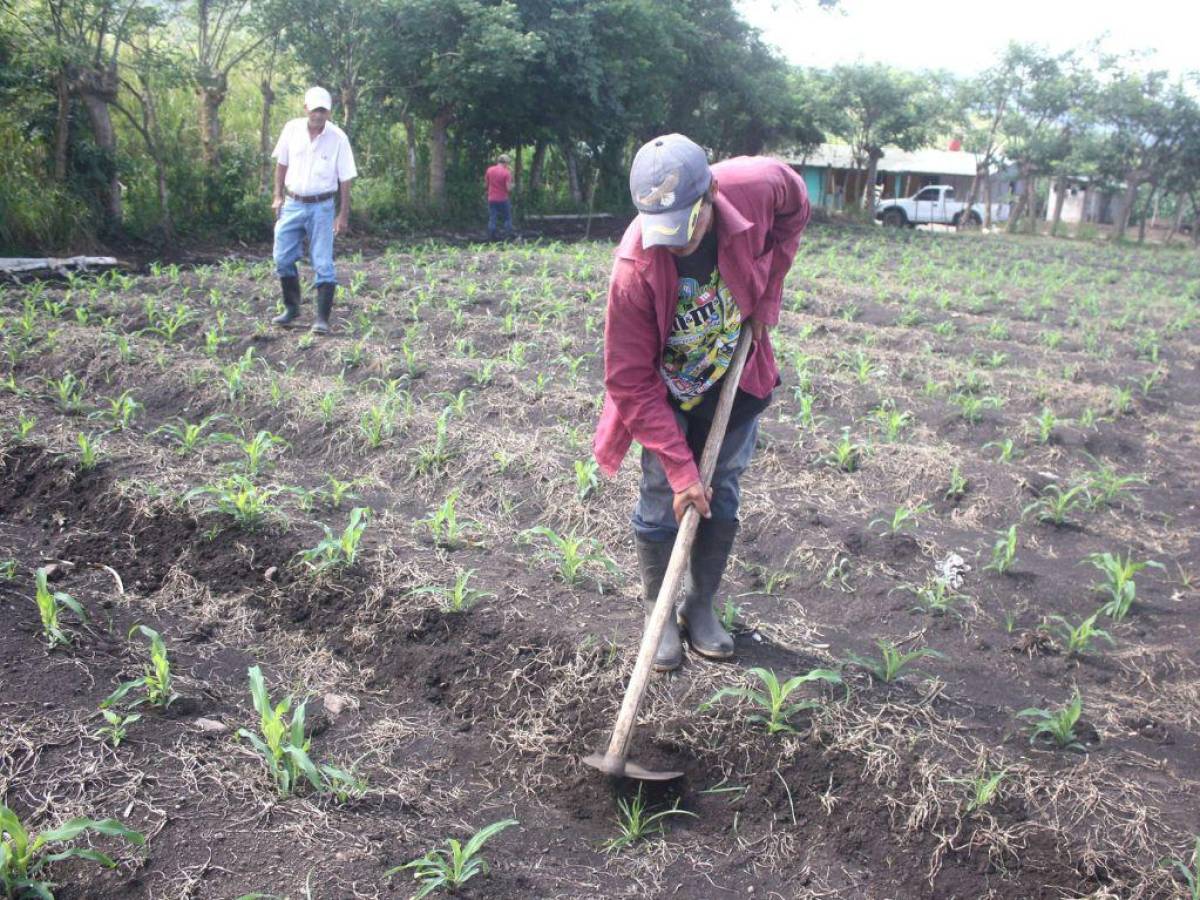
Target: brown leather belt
x,y
315,198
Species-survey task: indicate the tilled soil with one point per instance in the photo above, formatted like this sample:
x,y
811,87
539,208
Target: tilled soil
x,y
458,719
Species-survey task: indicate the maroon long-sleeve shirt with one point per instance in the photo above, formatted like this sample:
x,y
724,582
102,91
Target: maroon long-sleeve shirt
x,y
761,211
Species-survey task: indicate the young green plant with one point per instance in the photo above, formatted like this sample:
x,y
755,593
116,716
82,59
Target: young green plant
x,y
50,605
450,868
776,711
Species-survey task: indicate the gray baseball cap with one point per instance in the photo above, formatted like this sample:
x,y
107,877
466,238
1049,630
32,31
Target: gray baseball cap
x,y
668,179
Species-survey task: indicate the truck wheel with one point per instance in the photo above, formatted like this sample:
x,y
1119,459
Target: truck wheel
x,y
894,218
973,220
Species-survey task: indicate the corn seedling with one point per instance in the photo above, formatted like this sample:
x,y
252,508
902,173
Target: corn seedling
x,y
1190,871
958,485
50,605
1004,552
1057,724
776,711
68,393
155,679
1056,503
168,325
1007,447
114,732
892,661
1044,425
846,454
189,436
121,411
936,597
451,868
24,856
1105,487
256,451
635,823
234,375
891,421
571,554
89,451
1118,583
729,614
1077,639
443,524
587,478
435,457
240,498
338,551
338,492
377,424
281,742
457,599
982,789
903,518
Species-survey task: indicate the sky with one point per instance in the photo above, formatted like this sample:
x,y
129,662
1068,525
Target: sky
x,y
965,36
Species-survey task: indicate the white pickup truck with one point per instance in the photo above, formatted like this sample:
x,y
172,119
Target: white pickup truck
x,y
934,205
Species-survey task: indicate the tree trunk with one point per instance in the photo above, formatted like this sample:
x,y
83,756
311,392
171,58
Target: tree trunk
x,y
1151,202
987,202
211,92
437,158
568,150
868,188
1131,186
1176,222
517,170
349,100
964,220
1014,217
410,143
62,126
1060,195
537,166
96,89
264,133
1031,205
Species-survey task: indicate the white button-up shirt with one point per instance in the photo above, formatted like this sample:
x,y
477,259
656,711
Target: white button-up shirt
x,y
314,165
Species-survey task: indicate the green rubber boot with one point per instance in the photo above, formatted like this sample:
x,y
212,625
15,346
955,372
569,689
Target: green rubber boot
x,y
653,557
697,617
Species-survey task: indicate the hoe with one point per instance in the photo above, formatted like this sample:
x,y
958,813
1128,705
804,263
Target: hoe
x,y
614,761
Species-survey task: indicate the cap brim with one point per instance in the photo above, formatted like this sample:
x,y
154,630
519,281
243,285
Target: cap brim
x,y
669,229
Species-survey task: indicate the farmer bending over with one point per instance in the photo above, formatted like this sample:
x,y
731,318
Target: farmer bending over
x,y
706,257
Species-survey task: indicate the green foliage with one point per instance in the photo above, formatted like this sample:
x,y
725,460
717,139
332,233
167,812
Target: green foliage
x,y
458,598
846,454
190,436
444,526
635,823
248,504
50,605
89,451
1077,639
1004,552
587,478
776,711
450,868
903,518
1056,503
572,554
1118,583
1056,724
892,660
338,551
982,788
155,680
281,741
1189,871
117,726
24,857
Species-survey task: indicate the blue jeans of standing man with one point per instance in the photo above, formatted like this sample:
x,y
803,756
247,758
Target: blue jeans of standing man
x,y
502,210
296,222
654,515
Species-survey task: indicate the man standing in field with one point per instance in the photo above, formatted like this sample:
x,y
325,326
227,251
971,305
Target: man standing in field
x,y
314,164
706,257
499,181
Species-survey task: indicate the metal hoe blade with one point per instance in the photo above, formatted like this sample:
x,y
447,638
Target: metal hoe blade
x,y
627,768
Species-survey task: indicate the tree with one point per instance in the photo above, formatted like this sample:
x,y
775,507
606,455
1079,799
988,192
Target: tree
x,y
874,106
443,57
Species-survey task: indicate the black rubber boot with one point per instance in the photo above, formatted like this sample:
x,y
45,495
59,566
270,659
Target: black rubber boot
x,y
291,301
324,308
653,557
697,617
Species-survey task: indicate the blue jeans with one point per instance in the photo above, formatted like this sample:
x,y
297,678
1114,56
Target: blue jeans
x,y
654,515
296,222
500,209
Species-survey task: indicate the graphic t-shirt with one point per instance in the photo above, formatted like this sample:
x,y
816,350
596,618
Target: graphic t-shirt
x,y
706,327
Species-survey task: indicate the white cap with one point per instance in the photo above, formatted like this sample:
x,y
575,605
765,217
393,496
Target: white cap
x,y
317,98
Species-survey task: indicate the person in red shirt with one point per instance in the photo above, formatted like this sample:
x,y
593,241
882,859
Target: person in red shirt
x,y
706,256
499,181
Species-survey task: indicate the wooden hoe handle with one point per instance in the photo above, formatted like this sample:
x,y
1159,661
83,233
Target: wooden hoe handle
x,y
618,745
